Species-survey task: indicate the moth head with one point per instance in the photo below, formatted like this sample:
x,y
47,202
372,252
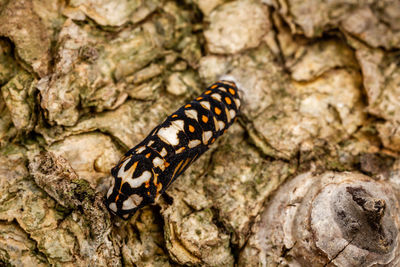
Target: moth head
x,y
240,85
118,207
129,190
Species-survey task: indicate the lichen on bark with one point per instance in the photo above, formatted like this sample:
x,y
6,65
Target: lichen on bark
x,y
310,173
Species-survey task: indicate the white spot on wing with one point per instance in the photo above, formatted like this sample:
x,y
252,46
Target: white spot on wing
x,y
162,167
111,188
138,181
228,115
232,113
216,124
140,149
221,125
222,89
136,199
110,191
205,104
178,124
169,135
113,207
194,143
124,175
191,113
132,202
206,136
216,97
128,204
163,152
158,162
237,102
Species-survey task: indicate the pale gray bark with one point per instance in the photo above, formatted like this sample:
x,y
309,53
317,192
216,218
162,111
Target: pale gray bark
x,y
309,175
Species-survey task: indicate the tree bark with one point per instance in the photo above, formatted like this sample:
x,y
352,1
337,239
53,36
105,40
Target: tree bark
x,y
308,176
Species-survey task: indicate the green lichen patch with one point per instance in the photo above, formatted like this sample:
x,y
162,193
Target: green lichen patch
x,y
7,128
19,97
115,13
33,45
8,66
238,190
143,240
90,220
373,22
189,214
17,249
91,155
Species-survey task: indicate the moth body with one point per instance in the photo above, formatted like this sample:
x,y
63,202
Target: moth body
x,y
148,169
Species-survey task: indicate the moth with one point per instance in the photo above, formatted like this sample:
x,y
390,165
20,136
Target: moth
x,y
148,169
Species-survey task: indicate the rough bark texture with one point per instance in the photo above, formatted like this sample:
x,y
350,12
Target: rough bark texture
x,y
309,176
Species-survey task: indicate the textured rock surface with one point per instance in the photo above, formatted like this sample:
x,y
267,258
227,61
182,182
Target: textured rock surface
x,y
236,26
341,214
310,173
115,13
33,45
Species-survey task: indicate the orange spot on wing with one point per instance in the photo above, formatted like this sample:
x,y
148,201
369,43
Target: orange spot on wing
x,y
228,100
147,184
184,164
155,177
148,155
199,98
191,128
232,91
148,193
180,150
213,140
229,83
214,86
116,198
217,110
159,187
174,116
176,169
188,106
166,164
204,118
207,92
